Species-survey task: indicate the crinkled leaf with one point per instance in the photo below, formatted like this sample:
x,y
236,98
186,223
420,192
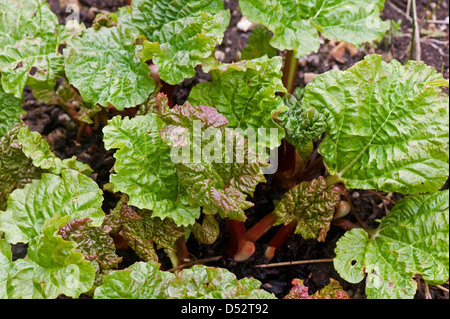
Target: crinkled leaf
x,y
10,111
206,232
387,125
201,282
141,230
104,66
16,169
183,44
296,24
331,291
38,149
245,93
93,242
28,45
142,280
217,169
258,44
51,268
301,125
71,194
412,239
298,290
312,205
180,34
146,281
144,170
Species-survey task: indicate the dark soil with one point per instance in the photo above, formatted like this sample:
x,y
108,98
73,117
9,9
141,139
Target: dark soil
x,y
60,130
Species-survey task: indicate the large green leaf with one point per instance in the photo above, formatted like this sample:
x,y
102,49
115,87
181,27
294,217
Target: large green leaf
x,y
29,44
144,170
51,268
180,34
387,125
183,44
146,281
296,24
38,149
413,238
245,93
10,111
216,169
71,194
104,66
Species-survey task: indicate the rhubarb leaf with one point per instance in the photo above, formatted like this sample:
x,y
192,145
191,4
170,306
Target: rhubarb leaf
x,y
146,281
412,239
16,169
183,44
258,44
10,111
245,93
144,170
312,205
51,268
301,125
28,46
206,232
71,194
180,34
331,291
104,66
142,280
141,230
387,125
217,169
93,242
38,149
296,24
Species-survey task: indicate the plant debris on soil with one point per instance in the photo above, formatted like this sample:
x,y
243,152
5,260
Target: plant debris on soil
x,y
61,132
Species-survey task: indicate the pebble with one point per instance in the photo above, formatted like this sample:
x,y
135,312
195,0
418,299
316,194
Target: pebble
x,y
245,25
309,77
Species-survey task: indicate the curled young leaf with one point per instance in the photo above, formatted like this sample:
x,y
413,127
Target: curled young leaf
x,y
312,205
387,125
412,239
302,125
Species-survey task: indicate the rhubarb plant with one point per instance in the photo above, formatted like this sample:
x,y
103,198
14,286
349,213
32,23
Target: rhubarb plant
x,y
182,171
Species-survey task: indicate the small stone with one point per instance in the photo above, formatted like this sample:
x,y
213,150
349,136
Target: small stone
x,y
245,25
309,77
220,55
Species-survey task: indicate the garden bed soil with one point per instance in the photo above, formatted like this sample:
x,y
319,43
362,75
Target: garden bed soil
x,y
60,130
